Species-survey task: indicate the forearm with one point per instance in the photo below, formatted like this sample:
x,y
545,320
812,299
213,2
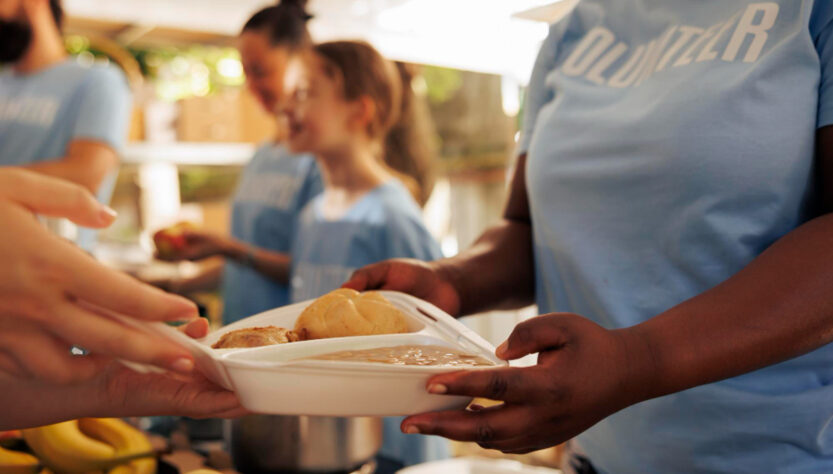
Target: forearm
x,y
777,308
274,265
497,272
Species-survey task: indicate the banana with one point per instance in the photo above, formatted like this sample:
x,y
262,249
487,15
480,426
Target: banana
x,y
127,441
137,466
123,469
64,448
16,462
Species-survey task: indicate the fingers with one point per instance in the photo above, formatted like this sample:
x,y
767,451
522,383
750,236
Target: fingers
x,y
509,384
103,336
523,444
230,414
407,276
56,198
535,335
368,278
196,329
41,356
116,291
483,426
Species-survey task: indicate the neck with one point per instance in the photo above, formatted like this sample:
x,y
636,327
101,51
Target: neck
x,y
352,170
46,49
281,132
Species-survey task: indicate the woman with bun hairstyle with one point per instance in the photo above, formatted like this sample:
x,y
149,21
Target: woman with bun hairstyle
x,y
343,100
274,187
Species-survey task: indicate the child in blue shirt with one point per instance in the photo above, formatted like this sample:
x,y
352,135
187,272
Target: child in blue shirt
x,y
345,99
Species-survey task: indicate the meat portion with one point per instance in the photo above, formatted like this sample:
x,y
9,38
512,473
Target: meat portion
x,y
256,337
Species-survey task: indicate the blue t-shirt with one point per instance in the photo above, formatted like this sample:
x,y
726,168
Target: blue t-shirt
x,y
273,189
41,113
385,223
669,143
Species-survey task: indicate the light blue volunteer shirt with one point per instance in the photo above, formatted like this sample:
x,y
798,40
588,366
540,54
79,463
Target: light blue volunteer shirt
x,y
669,143
41,113
274,187
386,223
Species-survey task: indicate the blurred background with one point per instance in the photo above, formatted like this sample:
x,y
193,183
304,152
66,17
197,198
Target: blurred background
x,y
194,124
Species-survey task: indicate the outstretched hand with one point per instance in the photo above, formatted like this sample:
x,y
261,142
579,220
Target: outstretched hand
x,y
197,245
584,374
46,283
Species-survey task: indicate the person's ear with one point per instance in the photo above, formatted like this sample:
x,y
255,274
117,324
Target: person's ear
x,y
364,112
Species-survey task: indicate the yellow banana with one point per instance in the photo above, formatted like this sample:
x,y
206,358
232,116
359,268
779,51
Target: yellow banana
x,y
125,439
64,448
15,462
137,466
123,469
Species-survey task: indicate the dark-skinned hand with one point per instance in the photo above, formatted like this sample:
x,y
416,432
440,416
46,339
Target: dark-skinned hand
x,y
584,374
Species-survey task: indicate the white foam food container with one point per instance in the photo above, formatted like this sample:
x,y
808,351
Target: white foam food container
x,y
272,379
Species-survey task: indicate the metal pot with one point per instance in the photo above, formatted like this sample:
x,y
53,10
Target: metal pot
x,y
302,444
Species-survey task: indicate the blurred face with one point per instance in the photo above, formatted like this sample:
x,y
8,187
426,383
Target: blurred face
x,y
265,66
320,119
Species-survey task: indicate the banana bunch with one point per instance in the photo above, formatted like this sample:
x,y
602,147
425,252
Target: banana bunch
x,y
15,462
92,445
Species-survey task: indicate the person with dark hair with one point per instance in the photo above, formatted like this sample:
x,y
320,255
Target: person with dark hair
x,y
275,184
58,117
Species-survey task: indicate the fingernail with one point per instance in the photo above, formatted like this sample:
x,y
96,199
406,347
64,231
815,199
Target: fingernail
x,y
501,349
437,389
107,214
183,365
411,430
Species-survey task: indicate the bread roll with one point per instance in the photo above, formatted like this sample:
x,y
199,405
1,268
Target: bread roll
x,y
343,313
255,337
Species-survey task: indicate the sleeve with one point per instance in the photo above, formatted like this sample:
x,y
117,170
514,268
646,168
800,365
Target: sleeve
x,y
104,106
821,26
406,237
537,92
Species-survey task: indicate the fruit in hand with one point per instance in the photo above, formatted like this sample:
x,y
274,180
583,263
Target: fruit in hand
x,y
172,240
16,462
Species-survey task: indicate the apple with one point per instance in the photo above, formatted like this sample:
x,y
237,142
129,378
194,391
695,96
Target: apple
x,y
172,240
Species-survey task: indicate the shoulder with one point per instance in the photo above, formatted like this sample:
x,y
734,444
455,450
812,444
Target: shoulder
x,y
400,214
103,80
397,202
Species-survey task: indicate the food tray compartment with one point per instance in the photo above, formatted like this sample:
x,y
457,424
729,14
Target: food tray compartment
x,y
267,381
277,382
